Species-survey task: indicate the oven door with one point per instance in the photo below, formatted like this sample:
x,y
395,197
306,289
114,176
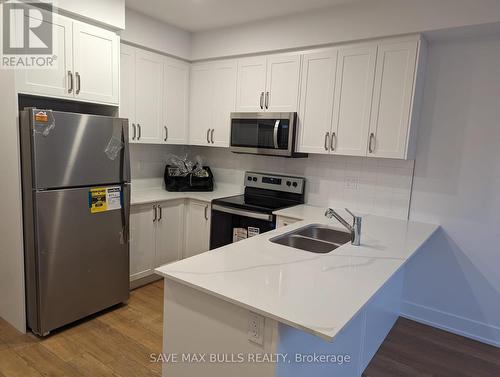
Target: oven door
x,y
263,133
233,224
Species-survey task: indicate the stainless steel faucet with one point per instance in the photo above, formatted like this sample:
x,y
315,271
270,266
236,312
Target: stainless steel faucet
x,y
354,229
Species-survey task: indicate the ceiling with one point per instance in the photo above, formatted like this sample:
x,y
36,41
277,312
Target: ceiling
x,y
197,15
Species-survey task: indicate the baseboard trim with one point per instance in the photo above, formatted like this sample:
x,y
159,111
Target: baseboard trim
x,y
482,332
143,281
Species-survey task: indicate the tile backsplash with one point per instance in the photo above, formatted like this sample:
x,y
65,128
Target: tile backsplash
x,y
370,185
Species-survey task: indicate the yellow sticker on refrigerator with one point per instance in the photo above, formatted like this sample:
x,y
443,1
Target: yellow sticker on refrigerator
x,y
103,199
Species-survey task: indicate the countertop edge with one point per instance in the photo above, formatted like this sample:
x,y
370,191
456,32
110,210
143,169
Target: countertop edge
x,y
247,306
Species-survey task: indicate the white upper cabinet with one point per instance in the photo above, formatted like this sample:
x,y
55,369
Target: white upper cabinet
x,y
282,83
212,99
251,84
127,88
176,101
148,97
392,99
56,81
87,65
316,101
368,92
96,63
200,104
268,83
154,96
353,99
224,75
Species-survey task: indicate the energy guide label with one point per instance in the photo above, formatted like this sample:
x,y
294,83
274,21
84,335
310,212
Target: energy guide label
x,y
103,199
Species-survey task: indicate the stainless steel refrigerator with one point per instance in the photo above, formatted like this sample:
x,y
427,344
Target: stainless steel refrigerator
x,y
76,204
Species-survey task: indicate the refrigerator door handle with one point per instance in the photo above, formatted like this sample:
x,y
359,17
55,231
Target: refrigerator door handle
x,y
125,161
126,214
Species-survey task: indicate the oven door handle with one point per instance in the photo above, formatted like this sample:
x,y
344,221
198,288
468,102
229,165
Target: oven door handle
x,y
275,133
241,212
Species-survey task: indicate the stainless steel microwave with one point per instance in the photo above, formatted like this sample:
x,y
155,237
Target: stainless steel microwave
x,y
265,133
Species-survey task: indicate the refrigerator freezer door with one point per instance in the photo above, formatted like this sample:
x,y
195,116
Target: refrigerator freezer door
x,y
75,150
82,257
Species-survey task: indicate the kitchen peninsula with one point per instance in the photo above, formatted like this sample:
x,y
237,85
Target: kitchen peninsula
x,y
258,297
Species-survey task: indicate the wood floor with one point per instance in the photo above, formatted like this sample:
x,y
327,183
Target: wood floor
x,y
119,343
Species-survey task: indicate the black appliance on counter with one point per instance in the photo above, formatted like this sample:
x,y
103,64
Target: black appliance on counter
x,y
241,216
174,181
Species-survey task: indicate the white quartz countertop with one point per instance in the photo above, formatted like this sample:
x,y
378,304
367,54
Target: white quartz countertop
x,y
145,195
317,293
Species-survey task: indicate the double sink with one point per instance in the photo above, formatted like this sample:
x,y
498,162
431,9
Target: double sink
x,y
315,238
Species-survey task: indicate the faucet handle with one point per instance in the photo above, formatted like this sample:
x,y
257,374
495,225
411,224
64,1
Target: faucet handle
x,y
356,218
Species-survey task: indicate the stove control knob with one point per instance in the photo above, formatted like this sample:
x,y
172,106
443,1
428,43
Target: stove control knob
x,y
254,179
294,184
249,178
288,183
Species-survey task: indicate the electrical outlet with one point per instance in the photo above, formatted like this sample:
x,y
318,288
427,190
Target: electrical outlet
x,y
351,183
256,328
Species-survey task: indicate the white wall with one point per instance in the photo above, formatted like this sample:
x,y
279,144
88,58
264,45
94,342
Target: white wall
x,y
108,12
156,35
11,230
379,186
455,283
346,22
148,161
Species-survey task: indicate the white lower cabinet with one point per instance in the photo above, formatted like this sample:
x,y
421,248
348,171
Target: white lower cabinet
x,y
169,232
156,236
197,228
142,241
165,232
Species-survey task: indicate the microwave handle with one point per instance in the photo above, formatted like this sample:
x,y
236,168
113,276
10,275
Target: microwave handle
x,y
275,134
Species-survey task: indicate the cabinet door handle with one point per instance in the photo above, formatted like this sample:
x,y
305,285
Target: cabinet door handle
x,y
261,100
140,131
267,100
166,133
135,131
161,213
78,83
206,212
212,135
208,135
70,81
370,143
155,213
327,136
333,142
